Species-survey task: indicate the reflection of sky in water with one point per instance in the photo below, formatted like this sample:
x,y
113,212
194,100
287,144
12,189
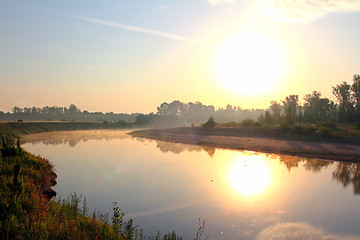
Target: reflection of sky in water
x,y
243,195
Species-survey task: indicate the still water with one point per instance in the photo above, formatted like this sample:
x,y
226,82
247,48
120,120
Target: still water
x,y
168,186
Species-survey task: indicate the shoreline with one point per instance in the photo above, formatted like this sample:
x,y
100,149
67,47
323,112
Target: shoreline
x,y
246,139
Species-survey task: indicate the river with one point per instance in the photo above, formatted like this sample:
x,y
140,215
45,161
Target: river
x,y
170,186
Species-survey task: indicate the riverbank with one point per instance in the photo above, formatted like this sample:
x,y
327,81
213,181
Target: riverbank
x,y
258,139
13,130
28,209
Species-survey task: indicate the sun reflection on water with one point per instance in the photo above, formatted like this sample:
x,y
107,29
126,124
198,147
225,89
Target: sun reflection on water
x,y
249,175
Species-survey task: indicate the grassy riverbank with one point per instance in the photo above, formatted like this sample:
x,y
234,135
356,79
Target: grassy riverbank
x,y
26,208
27,213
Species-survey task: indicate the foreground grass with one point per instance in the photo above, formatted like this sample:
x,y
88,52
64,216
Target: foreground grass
x,y
27,213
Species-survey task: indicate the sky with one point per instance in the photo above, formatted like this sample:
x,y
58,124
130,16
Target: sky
x,y
132,55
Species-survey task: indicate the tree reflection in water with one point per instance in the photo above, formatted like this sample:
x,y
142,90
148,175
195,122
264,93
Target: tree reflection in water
x,y
209,150
345,173
178,148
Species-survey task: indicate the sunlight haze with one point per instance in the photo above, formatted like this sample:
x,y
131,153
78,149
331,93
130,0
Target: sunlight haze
x,y
130,56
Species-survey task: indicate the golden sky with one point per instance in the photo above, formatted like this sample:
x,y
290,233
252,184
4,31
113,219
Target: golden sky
x,y
130,56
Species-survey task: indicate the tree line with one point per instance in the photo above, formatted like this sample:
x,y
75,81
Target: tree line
x,y
171,114
55,113
315,108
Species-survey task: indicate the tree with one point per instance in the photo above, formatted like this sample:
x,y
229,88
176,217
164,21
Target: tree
x,y
16,110
34,110
143,120
197,112
73,109
317,108
355,88
291,105
210,123
175,108
343,94
163,109
289,116
276,108
261,119
267,118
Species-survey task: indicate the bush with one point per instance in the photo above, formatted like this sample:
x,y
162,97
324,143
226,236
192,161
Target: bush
x,y
250,123
329,125
304,129
357,125
230,124
210,123
324,132
284,127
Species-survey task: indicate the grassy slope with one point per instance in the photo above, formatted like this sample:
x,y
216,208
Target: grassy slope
x,y
26,213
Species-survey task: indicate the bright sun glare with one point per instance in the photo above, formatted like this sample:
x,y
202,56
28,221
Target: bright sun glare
x,y
249,63
249,176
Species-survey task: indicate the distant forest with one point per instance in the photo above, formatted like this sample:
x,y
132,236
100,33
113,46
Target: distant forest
x,y
314,109
171,114
55,113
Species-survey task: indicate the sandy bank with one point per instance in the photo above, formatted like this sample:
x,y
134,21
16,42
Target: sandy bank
x,y
255,140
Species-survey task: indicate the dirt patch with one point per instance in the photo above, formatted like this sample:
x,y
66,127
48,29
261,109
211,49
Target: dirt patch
x,y
243,140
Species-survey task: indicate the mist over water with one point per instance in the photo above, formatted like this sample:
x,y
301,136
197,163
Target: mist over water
x,y
166,186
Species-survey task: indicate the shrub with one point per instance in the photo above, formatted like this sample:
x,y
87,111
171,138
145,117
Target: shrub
x,y
210,123
284,127
304,129
250,123
329,125
357,125
324,132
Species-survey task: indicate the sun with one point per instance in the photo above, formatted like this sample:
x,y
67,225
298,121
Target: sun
x,y
250,63
249,176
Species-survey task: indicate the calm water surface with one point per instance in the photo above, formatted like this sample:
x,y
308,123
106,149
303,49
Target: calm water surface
x,y
166,186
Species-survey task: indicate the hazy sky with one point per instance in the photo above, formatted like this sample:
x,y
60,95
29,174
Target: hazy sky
x,y
132,55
